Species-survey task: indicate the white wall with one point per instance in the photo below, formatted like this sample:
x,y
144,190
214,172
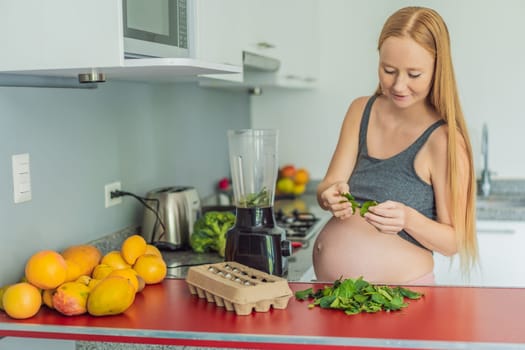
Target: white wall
x,y
488,51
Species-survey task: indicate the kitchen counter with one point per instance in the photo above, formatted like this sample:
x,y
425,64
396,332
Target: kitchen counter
x,y
167,314
299,264
510,191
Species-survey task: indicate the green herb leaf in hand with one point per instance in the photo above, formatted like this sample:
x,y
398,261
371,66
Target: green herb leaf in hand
x,y
363,208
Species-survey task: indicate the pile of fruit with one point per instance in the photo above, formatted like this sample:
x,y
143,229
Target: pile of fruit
x,y
292,180
80,280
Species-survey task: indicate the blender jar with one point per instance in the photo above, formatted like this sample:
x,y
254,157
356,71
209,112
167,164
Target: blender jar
x,y
255,240
253,162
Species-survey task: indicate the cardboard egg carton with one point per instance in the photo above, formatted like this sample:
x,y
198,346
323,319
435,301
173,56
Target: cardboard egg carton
x,y
238,287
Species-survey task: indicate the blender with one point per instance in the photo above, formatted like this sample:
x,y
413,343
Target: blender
x,y
255,240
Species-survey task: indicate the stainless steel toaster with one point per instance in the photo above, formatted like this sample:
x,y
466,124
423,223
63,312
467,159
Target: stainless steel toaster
x,y
178,209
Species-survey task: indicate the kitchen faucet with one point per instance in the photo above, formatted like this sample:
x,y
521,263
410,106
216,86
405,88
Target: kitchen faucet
x,y
485,173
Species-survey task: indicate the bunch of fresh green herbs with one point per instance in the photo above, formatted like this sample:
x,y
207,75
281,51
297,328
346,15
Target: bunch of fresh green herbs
x,y
363,208
354,296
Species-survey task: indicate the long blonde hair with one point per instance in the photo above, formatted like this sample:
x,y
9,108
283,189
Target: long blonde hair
x,y
426,27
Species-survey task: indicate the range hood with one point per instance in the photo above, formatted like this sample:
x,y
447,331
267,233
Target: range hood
x,y
259,72
259,63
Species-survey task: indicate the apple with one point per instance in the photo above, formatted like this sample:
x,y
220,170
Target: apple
x,y
288,171
224,183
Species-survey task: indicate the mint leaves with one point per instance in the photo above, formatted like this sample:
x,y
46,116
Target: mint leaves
x,y
354,296
363,208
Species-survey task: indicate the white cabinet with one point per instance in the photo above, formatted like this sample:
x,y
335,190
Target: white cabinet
x,y
54,34
223,29
292,27
501,245
285,30
68,37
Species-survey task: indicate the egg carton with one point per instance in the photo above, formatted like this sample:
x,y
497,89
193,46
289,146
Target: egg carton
x,y
238,287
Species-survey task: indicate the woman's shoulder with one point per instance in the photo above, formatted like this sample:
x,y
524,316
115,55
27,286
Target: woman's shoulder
x,y
354,113
361,101
438,143
438,140
357,106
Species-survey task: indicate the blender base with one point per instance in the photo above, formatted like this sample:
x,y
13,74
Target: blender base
x,y
256,241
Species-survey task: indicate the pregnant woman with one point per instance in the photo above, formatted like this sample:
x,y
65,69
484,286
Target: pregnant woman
x,y
407,148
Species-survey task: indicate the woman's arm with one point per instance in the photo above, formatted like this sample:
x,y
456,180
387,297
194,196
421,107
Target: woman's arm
x,y
342,163
437,235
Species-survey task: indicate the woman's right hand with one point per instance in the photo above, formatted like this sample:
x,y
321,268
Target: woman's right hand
x,y
333,201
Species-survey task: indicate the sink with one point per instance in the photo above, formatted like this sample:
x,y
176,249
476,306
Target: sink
x,y
500,201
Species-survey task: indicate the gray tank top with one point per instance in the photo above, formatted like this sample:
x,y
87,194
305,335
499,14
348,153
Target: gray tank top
x,y
394,178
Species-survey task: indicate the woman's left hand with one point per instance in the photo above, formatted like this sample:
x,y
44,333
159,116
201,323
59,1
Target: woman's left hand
x,y
387,217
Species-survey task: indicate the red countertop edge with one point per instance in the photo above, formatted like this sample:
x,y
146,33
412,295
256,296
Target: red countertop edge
x,y
167,314
185,342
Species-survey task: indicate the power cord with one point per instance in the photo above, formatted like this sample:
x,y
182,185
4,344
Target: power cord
x,y
142,200
189,265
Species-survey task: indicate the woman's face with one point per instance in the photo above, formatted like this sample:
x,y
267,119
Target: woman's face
x,y
406,71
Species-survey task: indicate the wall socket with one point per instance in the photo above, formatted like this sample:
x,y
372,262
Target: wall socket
x,y
114,186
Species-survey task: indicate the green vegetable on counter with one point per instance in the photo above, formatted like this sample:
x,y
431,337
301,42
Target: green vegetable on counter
x,y
354,296
363,208
209,232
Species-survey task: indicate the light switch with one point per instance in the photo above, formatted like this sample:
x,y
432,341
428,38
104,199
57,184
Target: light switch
x,y
21,178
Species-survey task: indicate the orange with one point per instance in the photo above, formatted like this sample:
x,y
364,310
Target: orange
x,y
84,279
142,283
2,290
151,268
46,269
130,274
47,297
133,247
85,255
22,300
74,270
301,176
115,260
93,283
151,249
101,271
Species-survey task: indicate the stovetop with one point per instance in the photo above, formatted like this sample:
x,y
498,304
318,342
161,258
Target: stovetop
x,y
299,226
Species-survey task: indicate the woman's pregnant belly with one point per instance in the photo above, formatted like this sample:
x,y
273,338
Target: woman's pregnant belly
x,y
352,248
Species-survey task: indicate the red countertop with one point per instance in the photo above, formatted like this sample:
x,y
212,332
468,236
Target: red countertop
x,y
446,317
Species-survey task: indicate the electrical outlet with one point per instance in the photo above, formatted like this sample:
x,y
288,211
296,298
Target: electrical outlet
x,y
107,191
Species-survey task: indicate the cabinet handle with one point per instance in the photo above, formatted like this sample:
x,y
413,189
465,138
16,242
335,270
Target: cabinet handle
x,y
265,45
